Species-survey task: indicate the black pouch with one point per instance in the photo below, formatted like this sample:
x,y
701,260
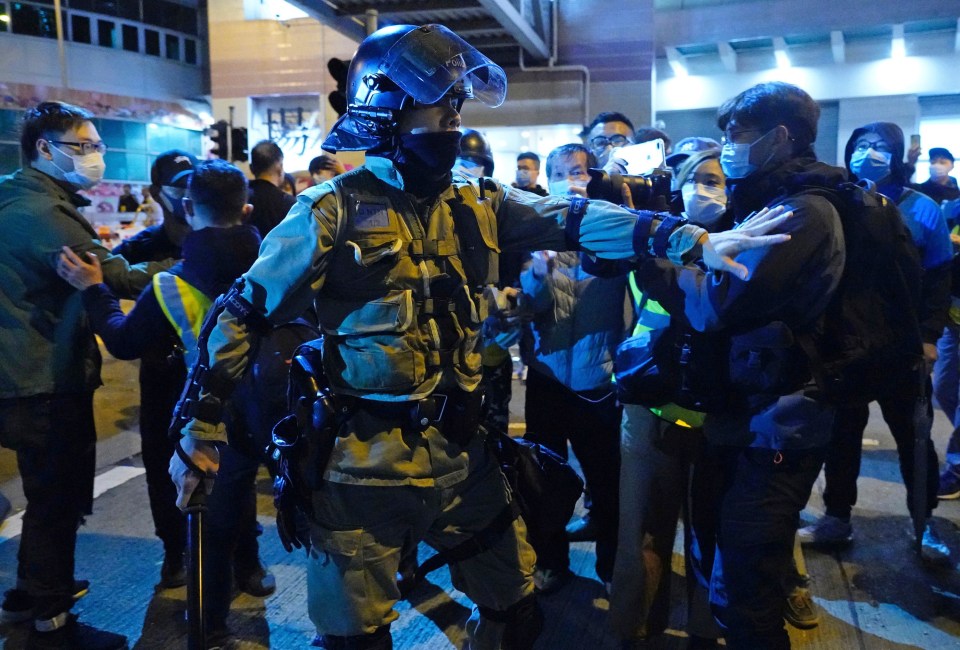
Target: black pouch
x,y
460,418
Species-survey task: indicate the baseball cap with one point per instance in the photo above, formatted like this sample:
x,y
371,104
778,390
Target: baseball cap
x,y
683,149
940,152
172,168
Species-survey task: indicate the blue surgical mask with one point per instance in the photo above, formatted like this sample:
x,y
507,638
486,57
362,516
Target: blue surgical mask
x,y
735,158
871,164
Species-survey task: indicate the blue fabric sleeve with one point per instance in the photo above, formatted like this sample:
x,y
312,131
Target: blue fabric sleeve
x,y
126,336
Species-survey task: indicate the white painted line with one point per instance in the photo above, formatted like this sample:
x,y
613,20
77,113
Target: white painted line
x,y
871,442
110,479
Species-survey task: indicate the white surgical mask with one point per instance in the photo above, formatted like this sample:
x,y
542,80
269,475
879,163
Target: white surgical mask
x,y
871,164
88,169
939,170
562,187
704,204
524,178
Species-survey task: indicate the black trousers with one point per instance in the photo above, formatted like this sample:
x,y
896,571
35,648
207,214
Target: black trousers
x,y
160,387
762,494
842,466
554,415
55,439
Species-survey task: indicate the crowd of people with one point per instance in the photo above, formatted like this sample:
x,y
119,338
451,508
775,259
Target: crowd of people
x,y
423,274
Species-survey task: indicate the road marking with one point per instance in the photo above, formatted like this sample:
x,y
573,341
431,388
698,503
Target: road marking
x,y
110,479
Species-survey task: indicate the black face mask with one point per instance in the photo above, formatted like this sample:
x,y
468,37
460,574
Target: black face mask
x,y
425,160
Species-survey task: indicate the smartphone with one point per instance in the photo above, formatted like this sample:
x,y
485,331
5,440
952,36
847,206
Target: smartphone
x,y
642,158
915,141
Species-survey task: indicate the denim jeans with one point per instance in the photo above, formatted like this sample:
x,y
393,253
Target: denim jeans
x,y
946,389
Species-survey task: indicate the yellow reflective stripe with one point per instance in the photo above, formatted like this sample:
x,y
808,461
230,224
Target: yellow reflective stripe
x,y
679,416
185,307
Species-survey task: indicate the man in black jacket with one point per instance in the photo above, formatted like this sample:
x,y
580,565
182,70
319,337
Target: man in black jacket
x,y
270,203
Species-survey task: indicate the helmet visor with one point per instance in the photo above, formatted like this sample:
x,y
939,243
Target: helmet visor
x,y
431,61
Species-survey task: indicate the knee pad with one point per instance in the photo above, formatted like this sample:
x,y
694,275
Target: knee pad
x,y
523,623
379,640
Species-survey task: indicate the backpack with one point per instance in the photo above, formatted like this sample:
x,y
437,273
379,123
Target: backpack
x,y
867,344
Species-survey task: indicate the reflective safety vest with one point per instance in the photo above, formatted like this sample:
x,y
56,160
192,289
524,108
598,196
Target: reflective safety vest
x,y
185,307
652,316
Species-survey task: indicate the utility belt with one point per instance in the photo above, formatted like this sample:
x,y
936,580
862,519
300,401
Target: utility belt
x,y
455,413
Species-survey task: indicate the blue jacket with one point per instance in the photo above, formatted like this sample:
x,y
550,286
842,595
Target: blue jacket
x,y
578,322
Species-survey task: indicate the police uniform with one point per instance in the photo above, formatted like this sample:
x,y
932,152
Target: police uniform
x,y
396,279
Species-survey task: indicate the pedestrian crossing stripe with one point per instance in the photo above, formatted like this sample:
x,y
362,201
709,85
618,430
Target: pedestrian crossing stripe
x,y
116,476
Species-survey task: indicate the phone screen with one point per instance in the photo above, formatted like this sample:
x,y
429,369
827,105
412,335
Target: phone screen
x,y
642,158
914,140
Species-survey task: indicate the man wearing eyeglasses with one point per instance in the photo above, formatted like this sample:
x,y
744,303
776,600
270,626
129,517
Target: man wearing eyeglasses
x,y
50,364
608,131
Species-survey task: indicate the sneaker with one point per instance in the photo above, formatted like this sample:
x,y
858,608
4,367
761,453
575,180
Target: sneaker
x,y
173,572
826,531
259,583
582,529
17,604
949,486
932,548
74,635
547,581
800,611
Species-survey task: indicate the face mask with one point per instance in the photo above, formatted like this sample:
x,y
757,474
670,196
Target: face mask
x,y
468,168
87,171
938,170
430,153
562,187
524,178
871,164
735,158
703,204
173,207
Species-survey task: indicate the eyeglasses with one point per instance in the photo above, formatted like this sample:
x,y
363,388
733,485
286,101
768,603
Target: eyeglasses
x,y
85,147
731,137
602,141
882,147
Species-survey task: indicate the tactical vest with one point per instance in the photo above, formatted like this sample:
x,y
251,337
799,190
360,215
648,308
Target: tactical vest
x,y
653,316
401,303
185,307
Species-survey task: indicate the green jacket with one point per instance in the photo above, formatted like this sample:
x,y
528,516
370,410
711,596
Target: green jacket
x,y
46,343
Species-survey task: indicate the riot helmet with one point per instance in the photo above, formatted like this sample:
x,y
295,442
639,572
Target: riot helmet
x,y
403,65
475,152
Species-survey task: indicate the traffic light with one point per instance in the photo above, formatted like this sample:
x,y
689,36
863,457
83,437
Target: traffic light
x,y
238,143
338,98
218,133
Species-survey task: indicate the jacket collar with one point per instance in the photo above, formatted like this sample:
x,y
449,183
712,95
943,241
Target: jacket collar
x,y
385,170
58,189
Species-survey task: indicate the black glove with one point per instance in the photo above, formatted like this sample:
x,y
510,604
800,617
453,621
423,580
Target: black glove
x,y
293,527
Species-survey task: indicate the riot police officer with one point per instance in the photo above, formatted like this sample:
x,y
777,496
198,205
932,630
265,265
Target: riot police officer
x,y
395,255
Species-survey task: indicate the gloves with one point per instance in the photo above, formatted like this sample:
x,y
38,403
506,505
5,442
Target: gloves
x,y
293,527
